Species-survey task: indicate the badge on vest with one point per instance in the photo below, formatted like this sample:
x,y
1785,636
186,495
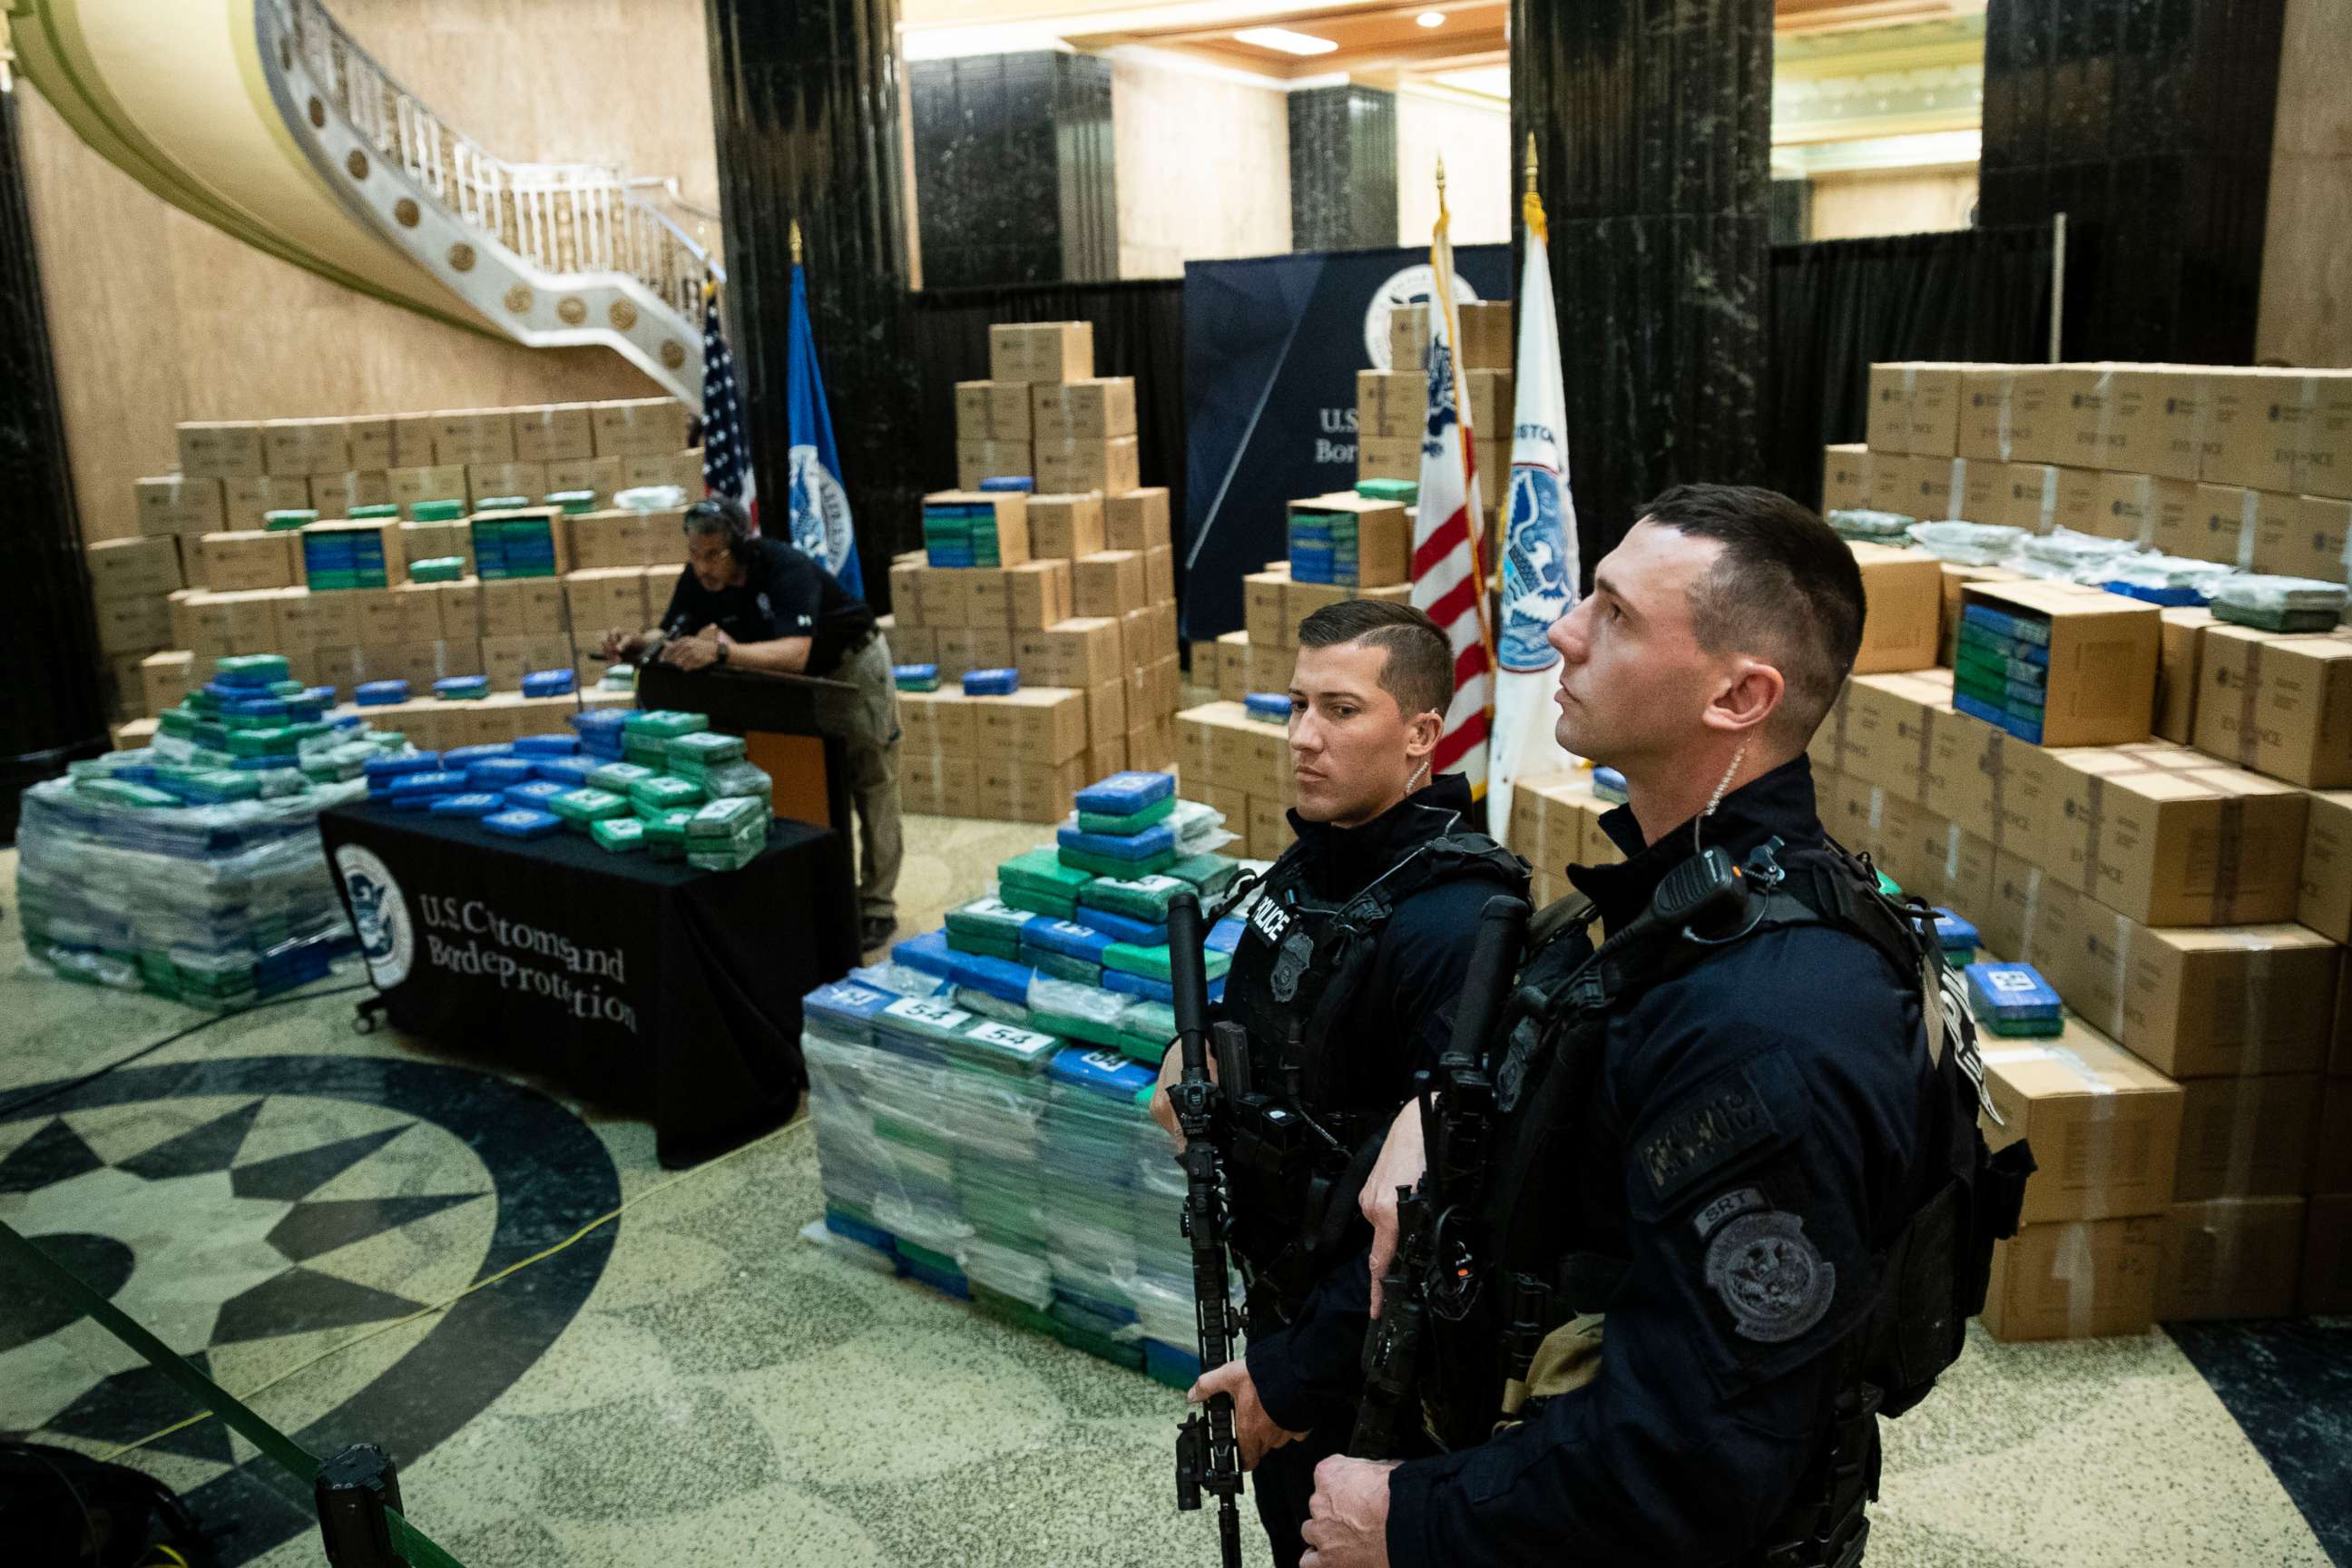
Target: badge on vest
x,y
1290,965
1771,1277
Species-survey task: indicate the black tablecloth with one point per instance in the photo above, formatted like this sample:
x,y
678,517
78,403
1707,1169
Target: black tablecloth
x,y
642,985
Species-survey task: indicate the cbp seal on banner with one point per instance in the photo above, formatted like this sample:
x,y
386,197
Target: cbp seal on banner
x,y
1410,286
820,510
387,932
1535,580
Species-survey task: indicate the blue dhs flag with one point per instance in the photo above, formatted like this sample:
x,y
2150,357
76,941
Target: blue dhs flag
x,y
820,509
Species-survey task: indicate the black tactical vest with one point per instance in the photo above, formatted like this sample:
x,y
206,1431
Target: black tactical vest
x,y
1307,1130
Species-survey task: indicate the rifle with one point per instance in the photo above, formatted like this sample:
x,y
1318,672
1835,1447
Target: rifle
x,y
1433,1269
1208,1457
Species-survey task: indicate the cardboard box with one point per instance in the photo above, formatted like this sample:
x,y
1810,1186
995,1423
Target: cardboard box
x,y
2304,536
1106,713
601,476
304,447
1904,590
2279,704
2223,523
176,504
2076,1280
556,433
245,499
1219,745
596,540
1391,405
1270,827
1159,574
1489,399
135,625
603,599
1888,730
1009,790
1041,351
2101,686
1011,509
940,722
506,660
1094,408
334,495
2323,890
1206,660
224,562
2143,419
1385,457
913,645
980,461
1932,407
992,411
165,677
1037,594
2004,413
1108,464
523,606
2247,1137
1886,427
2169,842
1265,610
1233,666
221,449
198,623
2105,1127
2180,648
2327,1256
372,442
637,427
2142,508
683,469
1954,576
486,482
396,617
1845,477
253,619
1486,342
2285,431
473,436
1383,536
1137,519
435,541
2232,1258
412,441
1109,582
146,568
1065,527
1080,653
313,621
407,486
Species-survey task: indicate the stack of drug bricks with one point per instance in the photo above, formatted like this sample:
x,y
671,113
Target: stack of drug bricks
x,y
1073,585
2244,466
395,547
2154,812
981,1102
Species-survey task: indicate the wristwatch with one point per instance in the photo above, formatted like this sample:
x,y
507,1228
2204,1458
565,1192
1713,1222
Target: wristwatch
x,y
723,646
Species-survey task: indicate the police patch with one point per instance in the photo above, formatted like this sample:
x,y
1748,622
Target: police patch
x,y
1772,1279
1716,1125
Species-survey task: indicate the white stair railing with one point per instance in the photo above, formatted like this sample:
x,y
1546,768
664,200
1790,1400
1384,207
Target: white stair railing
x,y
562,217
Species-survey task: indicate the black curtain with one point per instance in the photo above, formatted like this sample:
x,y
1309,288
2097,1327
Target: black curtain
x,y
1139,332
1835,306
53,712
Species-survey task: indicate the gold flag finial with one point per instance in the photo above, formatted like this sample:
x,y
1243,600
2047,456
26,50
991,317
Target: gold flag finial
x,y
1531,163
1440,171
796,242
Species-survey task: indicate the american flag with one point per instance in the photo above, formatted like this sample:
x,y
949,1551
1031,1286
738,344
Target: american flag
x,y
726,456
1449,577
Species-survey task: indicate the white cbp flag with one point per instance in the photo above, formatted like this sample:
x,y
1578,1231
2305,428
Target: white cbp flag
x,y
1540,569
1448,575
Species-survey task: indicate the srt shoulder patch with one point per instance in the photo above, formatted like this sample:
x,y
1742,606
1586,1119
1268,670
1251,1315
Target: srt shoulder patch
x,y
1771,1278
1723,1120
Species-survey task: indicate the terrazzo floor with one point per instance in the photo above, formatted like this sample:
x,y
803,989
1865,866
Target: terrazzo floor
x,y
694,1384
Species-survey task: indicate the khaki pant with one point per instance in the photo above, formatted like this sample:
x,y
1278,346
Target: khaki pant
x,y
873,777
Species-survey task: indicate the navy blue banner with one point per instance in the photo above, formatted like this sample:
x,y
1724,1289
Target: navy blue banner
x,y
1271,346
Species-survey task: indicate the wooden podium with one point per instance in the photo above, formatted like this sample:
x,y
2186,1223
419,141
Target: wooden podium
x,y
796,727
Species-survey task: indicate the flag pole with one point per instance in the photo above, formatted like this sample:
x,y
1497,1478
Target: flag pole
x,y
796,242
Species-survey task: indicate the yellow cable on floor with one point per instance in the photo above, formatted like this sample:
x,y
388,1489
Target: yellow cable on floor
x,y
443,1306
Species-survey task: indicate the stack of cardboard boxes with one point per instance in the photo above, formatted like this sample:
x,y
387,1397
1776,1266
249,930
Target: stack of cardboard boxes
x,y
235,575
1393,405
2248,466
2189,904
1045,414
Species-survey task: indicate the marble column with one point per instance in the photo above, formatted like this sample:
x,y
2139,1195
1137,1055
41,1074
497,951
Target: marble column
x,y
1015,182
1343,168
57,711
806,102
2148,124
1652,128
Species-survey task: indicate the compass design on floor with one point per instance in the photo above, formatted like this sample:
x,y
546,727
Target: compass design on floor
x,y
303,1202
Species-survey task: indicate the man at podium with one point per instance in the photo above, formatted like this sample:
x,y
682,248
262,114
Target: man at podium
x,y
746,601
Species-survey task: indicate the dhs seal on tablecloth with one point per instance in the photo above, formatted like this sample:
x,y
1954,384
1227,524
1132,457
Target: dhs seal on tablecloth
x,y
380,909
820,510
1410,286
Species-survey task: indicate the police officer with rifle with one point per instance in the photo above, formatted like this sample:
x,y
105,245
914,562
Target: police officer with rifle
x,y
1351,959
1731,1205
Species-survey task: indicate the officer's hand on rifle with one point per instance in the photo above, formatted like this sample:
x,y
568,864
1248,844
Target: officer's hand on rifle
x,y
1347,1522
1402,1161
1164,1111
1254,1430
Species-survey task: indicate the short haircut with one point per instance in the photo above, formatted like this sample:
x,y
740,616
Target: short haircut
x,y
721,515
1418,671
1785,589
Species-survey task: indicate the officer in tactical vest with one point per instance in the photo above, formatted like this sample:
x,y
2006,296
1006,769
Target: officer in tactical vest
x,y
1734,1205
1345,979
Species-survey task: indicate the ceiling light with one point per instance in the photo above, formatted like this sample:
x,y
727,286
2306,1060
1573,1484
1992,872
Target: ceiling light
x,y
1431,19
1283,39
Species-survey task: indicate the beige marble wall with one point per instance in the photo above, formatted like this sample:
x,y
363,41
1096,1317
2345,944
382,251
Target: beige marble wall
x,y
1480,189
156,317
1900,201
2306,305
1203,168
